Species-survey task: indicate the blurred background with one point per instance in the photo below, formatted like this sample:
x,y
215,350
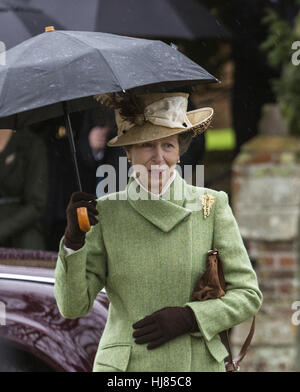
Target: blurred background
x,y
251,151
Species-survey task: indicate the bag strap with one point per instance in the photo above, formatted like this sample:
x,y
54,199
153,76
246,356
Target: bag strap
x,y
233,364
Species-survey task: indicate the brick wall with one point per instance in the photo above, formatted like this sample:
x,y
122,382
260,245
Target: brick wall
x,y
265,200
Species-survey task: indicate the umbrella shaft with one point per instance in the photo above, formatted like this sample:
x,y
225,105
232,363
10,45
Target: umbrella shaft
x,y
72,145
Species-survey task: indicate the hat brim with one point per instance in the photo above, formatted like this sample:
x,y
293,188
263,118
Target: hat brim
x,y
199,118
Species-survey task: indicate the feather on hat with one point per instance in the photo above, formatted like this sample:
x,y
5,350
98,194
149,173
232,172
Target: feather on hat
x,y
129,105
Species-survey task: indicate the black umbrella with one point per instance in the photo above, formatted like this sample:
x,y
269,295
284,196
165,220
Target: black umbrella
x,y
59,72
140,18
18,22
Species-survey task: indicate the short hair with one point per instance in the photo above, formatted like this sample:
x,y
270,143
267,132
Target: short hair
x,y
184,141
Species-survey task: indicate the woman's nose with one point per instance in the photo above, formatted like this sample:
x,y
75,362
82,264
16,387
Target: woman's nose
x,y
158,155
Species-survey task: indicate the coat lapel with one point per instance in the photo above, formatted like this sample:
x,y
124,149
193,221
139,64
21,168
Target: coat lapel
x,y
165,211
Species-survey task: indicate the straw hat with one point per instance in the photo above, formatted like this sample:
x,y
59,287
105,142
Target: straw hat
x,y
158,115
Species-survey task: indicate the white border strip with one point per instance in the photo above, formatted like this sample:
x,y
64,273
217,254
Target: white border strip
x,y
30,278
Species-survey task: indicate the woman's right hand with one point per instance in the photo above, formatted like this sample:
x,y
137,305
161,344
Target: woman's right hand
x,y
74,237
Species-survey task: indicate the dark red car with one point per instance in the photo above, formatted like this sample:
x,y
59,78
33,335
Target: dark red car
x,y
33,334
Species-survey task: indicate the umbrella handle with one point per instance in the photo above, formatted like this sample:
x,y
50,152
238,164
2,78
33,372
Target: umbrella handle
x,y
83,219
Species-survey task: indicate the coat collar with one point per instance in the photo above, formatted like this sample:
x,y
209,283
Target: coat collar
x,y
164,211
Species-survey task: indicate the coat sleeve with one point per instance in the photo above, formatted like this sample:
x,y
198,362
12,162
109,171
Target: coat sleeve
x,y
243,297
80,276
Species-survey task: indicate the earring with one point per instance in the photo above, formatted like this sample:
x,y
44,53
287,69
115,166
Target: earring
x,y
129,160
178,160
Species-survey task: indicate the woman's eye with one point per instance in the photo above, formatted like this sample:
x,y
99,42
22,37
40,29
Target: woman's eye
x,y
169,145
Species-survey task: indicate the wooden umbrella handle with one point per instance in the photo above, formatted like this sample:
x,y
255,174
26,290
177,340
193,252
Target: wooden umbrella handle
x,y
83,219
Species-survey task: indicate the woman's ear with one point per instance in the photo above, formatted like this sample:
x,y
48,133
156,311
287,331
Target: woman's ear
x,y
127,151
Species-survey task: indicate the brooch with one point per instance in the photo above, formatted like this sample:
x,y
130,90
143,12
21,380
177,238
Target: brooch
x,y
207,202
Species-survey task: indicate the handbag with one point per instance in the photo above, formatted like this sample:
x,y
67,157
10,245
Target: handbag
x,y
212,285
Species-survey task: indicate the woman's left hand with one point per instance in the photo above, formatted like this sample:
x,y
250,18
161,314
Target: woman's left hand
x,y
163,325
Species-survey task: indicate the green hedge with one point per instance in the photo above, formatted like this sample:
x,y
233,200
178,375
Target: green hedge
x,y
220,139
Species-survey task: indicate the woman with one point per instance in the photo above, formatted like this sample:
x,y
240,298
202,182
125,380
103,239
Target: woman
x,y
23,189
148,248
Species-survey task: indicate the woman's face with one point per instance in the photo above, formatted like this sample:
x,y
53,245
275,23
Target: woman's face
x,y
154,162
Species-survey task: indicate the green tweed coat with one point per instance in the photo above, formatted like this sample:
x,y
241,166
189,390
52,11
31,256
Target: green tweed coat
x,y
148,254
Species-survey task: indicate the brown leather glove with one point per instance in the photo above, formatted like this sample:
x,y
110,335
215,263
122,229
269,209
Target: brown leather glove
x,y
74,237
165,324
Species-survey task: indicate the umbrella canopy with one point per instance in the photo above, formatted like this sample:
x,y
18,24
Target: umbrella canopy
x,y
18,22
140,18
69,67
59,72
